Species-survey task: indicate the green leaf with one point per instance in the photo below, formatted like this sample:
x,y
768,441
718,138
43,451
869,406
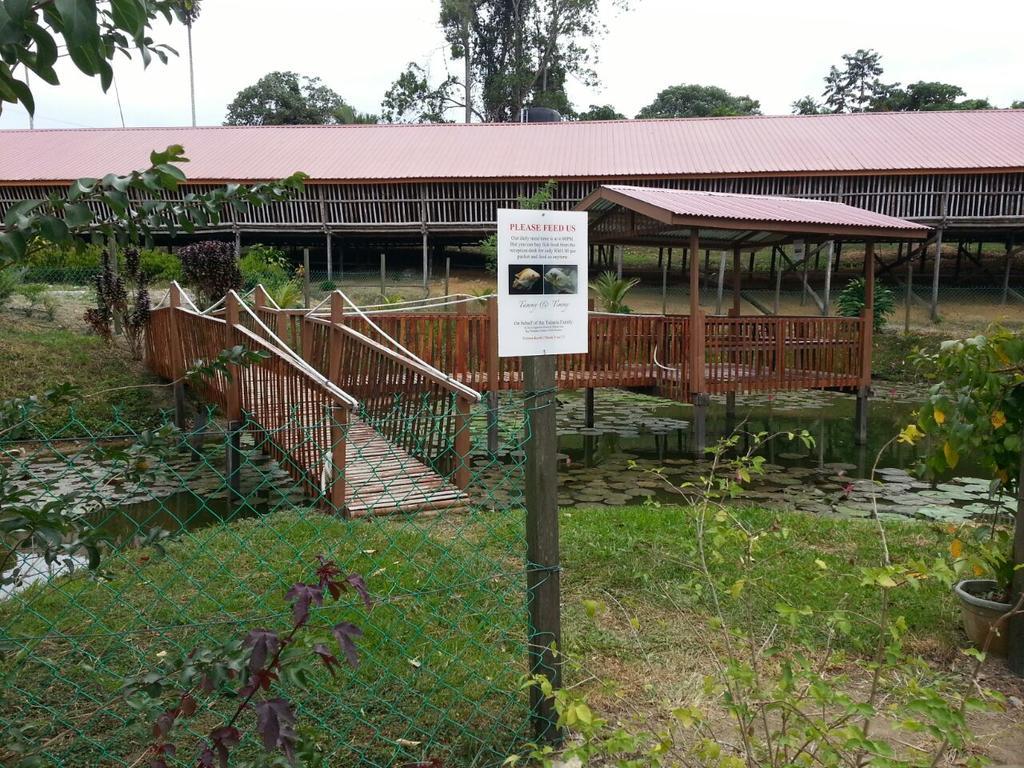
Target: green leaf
x,y
77,215
129,16
82,35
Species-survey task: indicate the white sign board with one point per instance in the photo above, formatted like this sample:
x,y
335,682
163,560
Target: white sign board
x,y
542,283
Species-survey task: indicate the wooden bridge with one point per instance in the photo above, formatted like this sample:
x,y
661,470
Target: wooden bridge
x,y
361,425
370,413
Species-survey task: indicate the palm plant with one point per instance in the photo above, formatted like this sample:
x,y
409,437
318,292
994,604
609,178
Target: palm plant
x,y
850,301
610,292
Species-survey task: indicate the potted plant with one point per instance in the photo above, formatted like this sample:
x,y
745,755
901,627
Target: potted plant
x,y
982,563
977,409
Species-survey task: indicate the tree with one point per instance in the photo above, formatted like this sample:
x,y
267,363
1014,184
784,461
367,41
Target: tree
x,y
925,96
853,87
604,112
699,101
188,12
808,105
514,53
411,98
287,98
1017,104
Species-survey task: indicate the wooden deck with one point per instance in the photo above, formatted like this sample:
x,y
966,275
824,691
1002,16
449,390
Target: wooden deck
x,y
393,416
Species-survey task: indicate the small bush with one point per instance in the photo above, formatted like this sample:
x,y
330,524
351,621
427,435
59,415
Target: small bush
x,y
850,301
263,265
611,291
10,280
32,293
328,285
287,294
159,266
209,266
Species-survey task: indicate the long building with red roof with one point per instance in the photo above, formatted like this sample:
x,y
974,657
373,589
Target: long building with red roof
x,y
370,185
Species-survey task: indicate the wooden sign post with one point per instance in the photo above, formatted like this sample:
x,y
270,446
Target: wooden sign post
x,y
543,577
542,313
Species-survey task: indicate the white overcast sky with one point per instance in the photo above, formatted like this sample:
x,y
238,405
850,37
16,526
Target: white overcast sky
x,y
773,51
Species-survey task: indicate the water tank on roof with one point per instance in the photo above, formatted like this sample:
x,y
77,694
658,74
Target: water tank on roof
x,y
539,115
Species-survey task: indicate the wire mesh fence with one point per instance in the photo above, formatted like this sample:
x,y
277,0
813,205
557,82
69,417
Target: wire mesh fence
x,y
128,555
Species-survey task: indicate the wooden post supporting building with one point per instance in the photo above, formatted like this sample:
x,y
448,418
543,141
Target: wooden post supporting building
x,y
698,396
867,316
935,276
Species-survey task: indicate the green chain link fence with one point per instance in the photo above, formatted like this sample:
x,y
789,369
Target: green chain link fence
x,y
190,555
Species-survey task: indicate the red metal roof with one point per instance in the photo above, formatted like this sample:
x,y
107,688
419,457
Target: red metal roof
x,y
907,141
717,210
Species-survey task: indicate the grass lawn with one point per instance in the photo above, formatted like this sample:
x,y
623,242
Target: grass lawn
x,y
443,649
37,354
893,351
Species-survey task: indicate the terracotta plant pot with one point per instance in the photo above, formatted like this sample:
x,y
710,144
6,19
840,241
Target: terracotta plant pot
x,y
979,614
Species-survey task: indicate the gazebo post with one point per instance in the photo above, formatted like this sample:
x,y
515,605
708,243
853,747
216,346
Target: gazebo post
x,y
935,275
697,389
868,315
665,266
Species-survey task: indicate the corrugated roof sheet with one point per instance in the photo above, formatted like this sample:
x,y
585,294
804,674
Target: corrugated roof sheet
x,y
918,141
761,208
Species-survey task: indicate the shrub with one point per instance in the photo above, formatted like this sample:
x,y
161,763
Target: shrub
x,y
209,266
287,294
328,285
611,292
113,303
159,266
56,264
10,279
850,301
53,264
33,293
263,265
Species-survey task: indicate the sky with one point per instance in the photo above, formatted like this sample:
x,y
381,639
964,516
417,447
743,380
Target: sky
x,y
775,52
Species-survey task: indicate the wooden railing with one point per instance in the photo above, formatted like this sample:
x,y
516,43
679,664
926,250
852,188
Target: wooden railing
x,y
756,354
462,344
421,410
298,414
742,354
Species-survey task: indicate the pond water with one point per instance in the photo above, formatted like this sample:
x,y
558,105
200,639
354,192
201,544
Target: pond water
x,y
599,466
828,478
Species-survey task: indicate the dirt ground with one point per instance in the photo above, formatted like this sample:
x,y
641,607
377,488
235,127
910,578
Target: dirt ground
x,y
650,664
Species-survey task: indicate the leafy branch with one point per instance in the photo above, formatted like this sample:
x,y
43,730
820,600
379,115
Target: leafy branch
x,y
245,670
132,207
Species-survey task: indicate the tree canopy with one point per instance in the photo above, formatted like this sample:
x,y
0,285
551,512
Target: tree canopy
x,y
513,54
857,86
925,96
699,101
603,112
287,98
